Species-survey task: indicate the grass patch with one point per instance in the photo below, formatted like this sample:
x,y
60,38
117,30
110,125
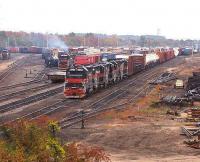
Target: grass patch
x,y
154,110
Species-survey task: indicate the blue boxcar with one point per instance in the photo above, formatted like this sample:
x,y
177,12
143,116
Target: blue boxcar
x,y
108,56
23,50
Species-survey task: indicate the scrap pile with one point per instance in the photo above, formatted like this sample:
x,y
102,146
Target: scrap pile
x,y
193,87
163,78
192,130
176,101
193,135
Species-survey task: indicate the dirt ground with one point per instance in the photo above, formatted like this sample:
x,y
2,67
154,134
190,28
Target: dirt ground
x,y
4,64
141,133
128,136
33,66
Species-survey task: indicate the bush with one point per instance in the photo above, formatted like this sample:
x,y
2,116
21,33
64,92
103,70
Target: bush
x,y
25,141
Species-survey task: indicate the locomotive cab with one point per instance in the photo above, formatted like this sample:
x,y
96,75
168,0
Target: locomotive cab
x,y
63,61
76,82
5,54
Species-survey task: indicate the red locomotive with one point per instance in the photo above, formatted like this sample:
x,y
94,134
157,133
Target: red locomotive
x,y
80,80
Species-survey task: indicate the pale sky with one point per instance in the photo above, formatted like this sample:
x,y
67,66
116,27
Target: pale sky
x,y
175,18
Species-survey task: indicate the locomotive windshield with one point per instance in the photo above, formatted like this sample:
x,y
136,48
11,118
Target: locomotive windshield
x,y
64,57
74,85
76,74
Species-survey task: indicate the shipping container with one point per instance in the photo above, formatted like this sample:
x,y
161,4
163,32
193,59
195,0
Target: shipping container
x,y
86,59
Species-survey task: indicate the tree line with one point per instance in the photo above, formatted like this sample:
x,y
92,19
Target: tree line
x,y
19,39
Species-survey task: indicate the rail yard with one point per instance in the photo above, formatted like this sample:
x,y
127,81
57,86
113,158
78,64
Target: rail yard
x,y
90,91
99,81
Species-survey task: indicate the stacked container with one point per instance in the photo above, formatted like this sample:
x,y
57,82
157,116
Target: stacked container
x,y
86,59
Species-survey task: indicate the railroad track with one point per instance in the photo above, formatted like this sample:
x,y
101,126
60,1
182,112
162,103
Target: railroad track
x,y
48,110
11,69
23,92
97,106
78,117
68,103
101,105
19,84
29,100
39,77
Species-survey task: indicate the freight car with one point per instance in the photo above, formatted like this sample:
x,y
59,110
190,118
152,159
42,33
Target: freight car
x,y
23,50
185,51
35,50
13,49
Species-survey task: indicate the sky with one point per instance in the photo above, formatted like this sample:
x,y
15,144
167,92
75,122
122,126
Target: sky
x,y
177,19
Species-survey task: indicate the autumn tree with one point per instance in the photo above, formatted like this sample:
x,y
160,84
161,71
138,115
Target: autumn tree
x,y
38,141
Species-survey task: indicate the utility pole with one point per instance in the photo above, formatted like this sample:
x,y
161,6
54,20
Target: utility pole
x,y
98,40
47,45
8,42
15,42
117,42
84,40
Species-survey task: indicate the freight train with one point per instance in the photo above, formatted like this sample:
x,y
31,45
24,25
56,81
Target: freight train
x,y
93,72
